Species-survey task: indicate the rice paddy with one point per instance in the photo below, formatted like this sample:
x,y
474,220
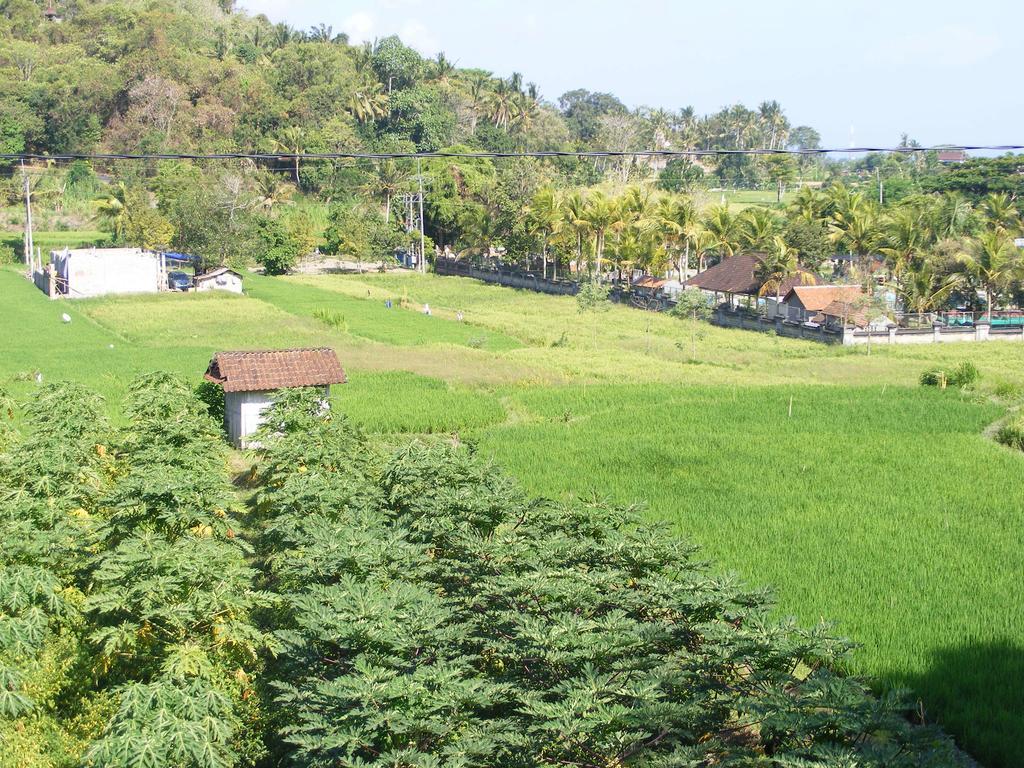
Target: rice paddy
x,y
827,473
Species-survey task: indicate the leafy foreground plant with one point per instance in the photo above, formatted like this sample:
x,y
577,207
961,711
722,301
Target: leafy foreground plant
x,y
48,481
432,615
173,597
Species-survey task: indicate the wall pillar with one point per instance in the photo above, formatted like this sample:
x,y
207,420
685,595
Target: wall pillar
x,y
936,332
847,336
981,331
892,333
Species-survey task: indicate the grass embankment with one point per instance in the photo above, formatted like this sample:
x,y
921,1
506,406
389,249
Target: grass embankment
x,y
876,504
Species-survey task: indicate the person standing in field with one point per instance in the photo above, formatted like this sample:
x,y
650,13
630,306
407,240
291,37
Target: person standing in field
x,y
426,310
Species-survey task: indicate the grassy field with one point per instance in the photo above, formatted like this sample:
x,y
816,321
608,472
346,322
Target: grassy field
x,y
48,241
825,472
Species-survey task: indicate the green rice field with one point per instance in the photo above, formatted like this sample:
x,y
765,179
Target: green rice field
x,y
826,473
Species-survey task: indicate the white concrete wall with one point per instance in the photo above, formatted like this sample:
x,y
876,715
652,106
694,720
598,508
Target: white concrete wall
x,y
103,271
225,282
243,414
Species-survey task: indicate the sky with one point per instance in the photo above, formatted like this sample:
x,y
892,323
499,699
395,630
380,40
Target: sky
x,y
862,73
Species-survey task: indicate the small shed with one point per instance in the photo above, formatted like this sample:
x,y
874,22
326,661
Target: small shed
x,y
220,279
85,272
250,378
803,302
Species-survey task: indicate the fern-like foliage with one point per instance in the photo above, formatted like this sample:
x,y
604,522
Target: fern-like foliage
x,y
434,615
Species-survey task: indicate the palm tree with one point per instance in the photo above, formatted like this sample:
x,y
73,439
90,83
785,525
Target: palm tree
x,y
602,213
112,207
676,216
321,33
723,228
477,98
544,217
292,142
757,228
854,224
926,290
271,191
502,104
952,216
906,237
1001,211
775,266
993,261
442,68
576,221
388,180
368,102
809,205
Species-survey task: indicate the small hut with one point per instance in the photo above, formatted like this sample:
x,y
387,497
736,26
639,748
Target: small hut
x,y
220,279
250,378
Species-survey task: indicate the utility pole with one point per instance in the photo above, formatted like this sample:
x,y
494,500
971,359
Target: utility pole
x,y
878,178
423,249
28,244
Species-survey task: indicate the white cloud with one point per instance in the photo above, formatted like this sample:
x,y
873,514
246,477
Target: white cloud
x,y
416,35
360,27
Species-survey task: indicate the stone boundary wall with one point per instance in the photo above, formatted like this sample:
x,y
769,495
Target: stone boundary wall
x,y
937,334
507,278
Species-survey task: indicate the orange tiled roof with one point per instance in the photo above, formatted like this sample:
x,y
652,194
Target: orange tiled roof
x,y
257,370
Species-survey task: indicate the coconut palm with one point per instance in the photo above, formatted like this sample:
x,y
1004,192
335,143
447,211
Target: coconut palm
x,y
757,228
576,222
906,237
993,262
854,224
368,102
112,208
477,98
775,266
925,289
292,141
951,216
677,217
502,104
1001,211
271,191
544,219
809,204
602,213
387,181
722,225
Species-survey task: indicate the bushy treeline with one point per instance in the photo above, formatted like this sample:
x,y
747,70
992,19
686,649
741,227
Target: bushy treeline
x,y
405,606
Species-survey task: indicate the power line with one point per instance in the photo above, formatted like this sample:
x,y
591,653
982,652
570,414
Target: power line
x,y
265,156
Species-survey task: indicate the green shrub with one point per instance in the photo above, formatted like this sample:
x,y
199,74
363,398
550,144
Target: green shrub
x,y
964,376
1011,434
1007,390
7,254
330,317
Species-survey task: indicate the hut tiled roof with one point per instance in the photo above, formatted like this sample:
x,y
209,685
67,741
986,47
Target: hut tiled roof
x,y
649,281
257,370
846,311
738,274
815,298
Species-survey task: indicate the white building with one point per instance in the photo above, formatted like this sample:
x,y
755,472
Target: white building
x,y
85,272
249,380
220,279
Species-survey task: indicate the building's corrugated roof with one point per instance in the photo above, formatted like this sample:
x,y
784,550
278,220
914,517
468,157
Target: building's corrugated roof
x,y
815,298
217,271
738,274
257,370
